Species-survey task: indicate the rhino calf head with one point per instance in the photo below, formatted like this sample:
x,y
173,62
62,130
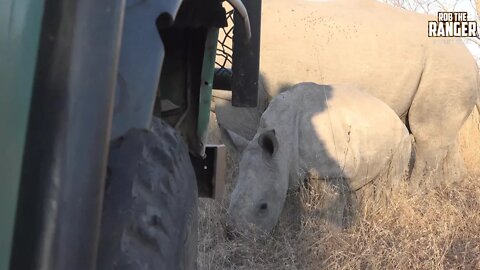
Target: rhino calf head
x,y
261,188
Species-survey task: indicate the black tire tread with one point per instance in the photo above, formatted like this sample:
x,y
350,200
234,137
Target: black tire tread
x,y
150,206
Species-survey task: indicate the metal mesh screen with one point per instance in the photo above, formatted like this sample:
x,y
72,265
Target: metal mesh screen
x,y
223,60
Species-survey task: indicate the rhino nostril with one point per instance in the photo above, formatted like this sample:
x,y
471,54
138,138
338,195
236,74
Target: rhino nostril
x,y
263,206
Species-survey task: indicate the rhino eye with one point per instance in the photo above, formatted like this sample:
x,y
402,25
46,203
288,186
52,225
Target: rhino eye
x,y
263,206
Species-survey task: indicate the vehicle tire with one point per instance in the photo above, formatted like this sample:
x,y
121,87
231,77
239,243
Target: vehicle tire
x,y
149,216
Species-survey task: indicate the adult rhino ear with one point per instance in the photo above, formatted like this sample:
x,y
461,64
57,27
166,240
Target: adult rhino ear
x,y
236,141
268,141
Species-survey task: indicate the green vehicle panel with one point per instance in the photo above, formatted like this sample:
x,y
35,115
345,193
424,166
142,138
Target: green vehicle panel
x,y
20,23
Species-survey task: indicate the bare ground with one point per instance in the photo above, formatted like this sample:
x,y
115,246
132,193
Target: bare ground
x,y
438,229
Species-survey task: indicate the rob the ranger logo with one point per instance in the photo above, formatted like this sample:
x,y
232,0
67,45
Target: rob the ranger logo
x,y
452,24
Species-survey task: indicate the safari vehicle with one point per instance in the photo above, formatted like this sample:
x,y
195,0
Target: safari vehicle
x,y
93,97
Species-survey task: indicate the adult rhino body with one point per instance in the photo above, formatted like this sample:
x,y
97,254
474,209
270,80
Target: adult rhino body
x,y
431,83
345,136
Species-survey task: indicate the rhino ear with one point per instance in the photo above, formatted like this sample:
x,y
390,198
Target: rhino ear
x,y
268,141
236,141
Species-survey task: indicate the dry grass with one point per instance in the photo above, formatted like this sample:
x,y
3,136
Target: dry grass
x,y
439,229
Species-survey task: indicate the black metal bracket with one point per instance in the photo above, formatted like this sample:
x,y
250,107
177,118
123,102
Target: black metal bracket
x,y
211,171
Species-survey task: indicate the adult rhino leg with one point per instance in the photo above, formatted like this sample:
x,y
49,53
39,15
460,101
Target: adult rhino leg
x,y
435,118
434,165
427,168
454,164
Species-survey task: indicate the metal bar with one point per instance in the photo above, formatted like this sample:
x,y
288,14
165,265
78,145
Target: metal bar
x,y
211,171
206,84
242,11
61,191
245,65
220,172
20,22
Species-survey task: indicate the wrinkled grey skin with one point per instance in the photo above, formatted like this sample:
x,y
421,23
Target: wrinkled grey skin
x,y
431,83
337,132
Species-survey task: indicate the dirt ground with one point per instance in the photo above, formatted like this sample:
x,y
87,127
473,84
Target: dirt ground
x,y
438,229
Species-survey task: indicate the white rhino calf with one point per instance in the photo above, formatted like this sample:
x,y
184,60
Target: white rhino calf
x,y
337,131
